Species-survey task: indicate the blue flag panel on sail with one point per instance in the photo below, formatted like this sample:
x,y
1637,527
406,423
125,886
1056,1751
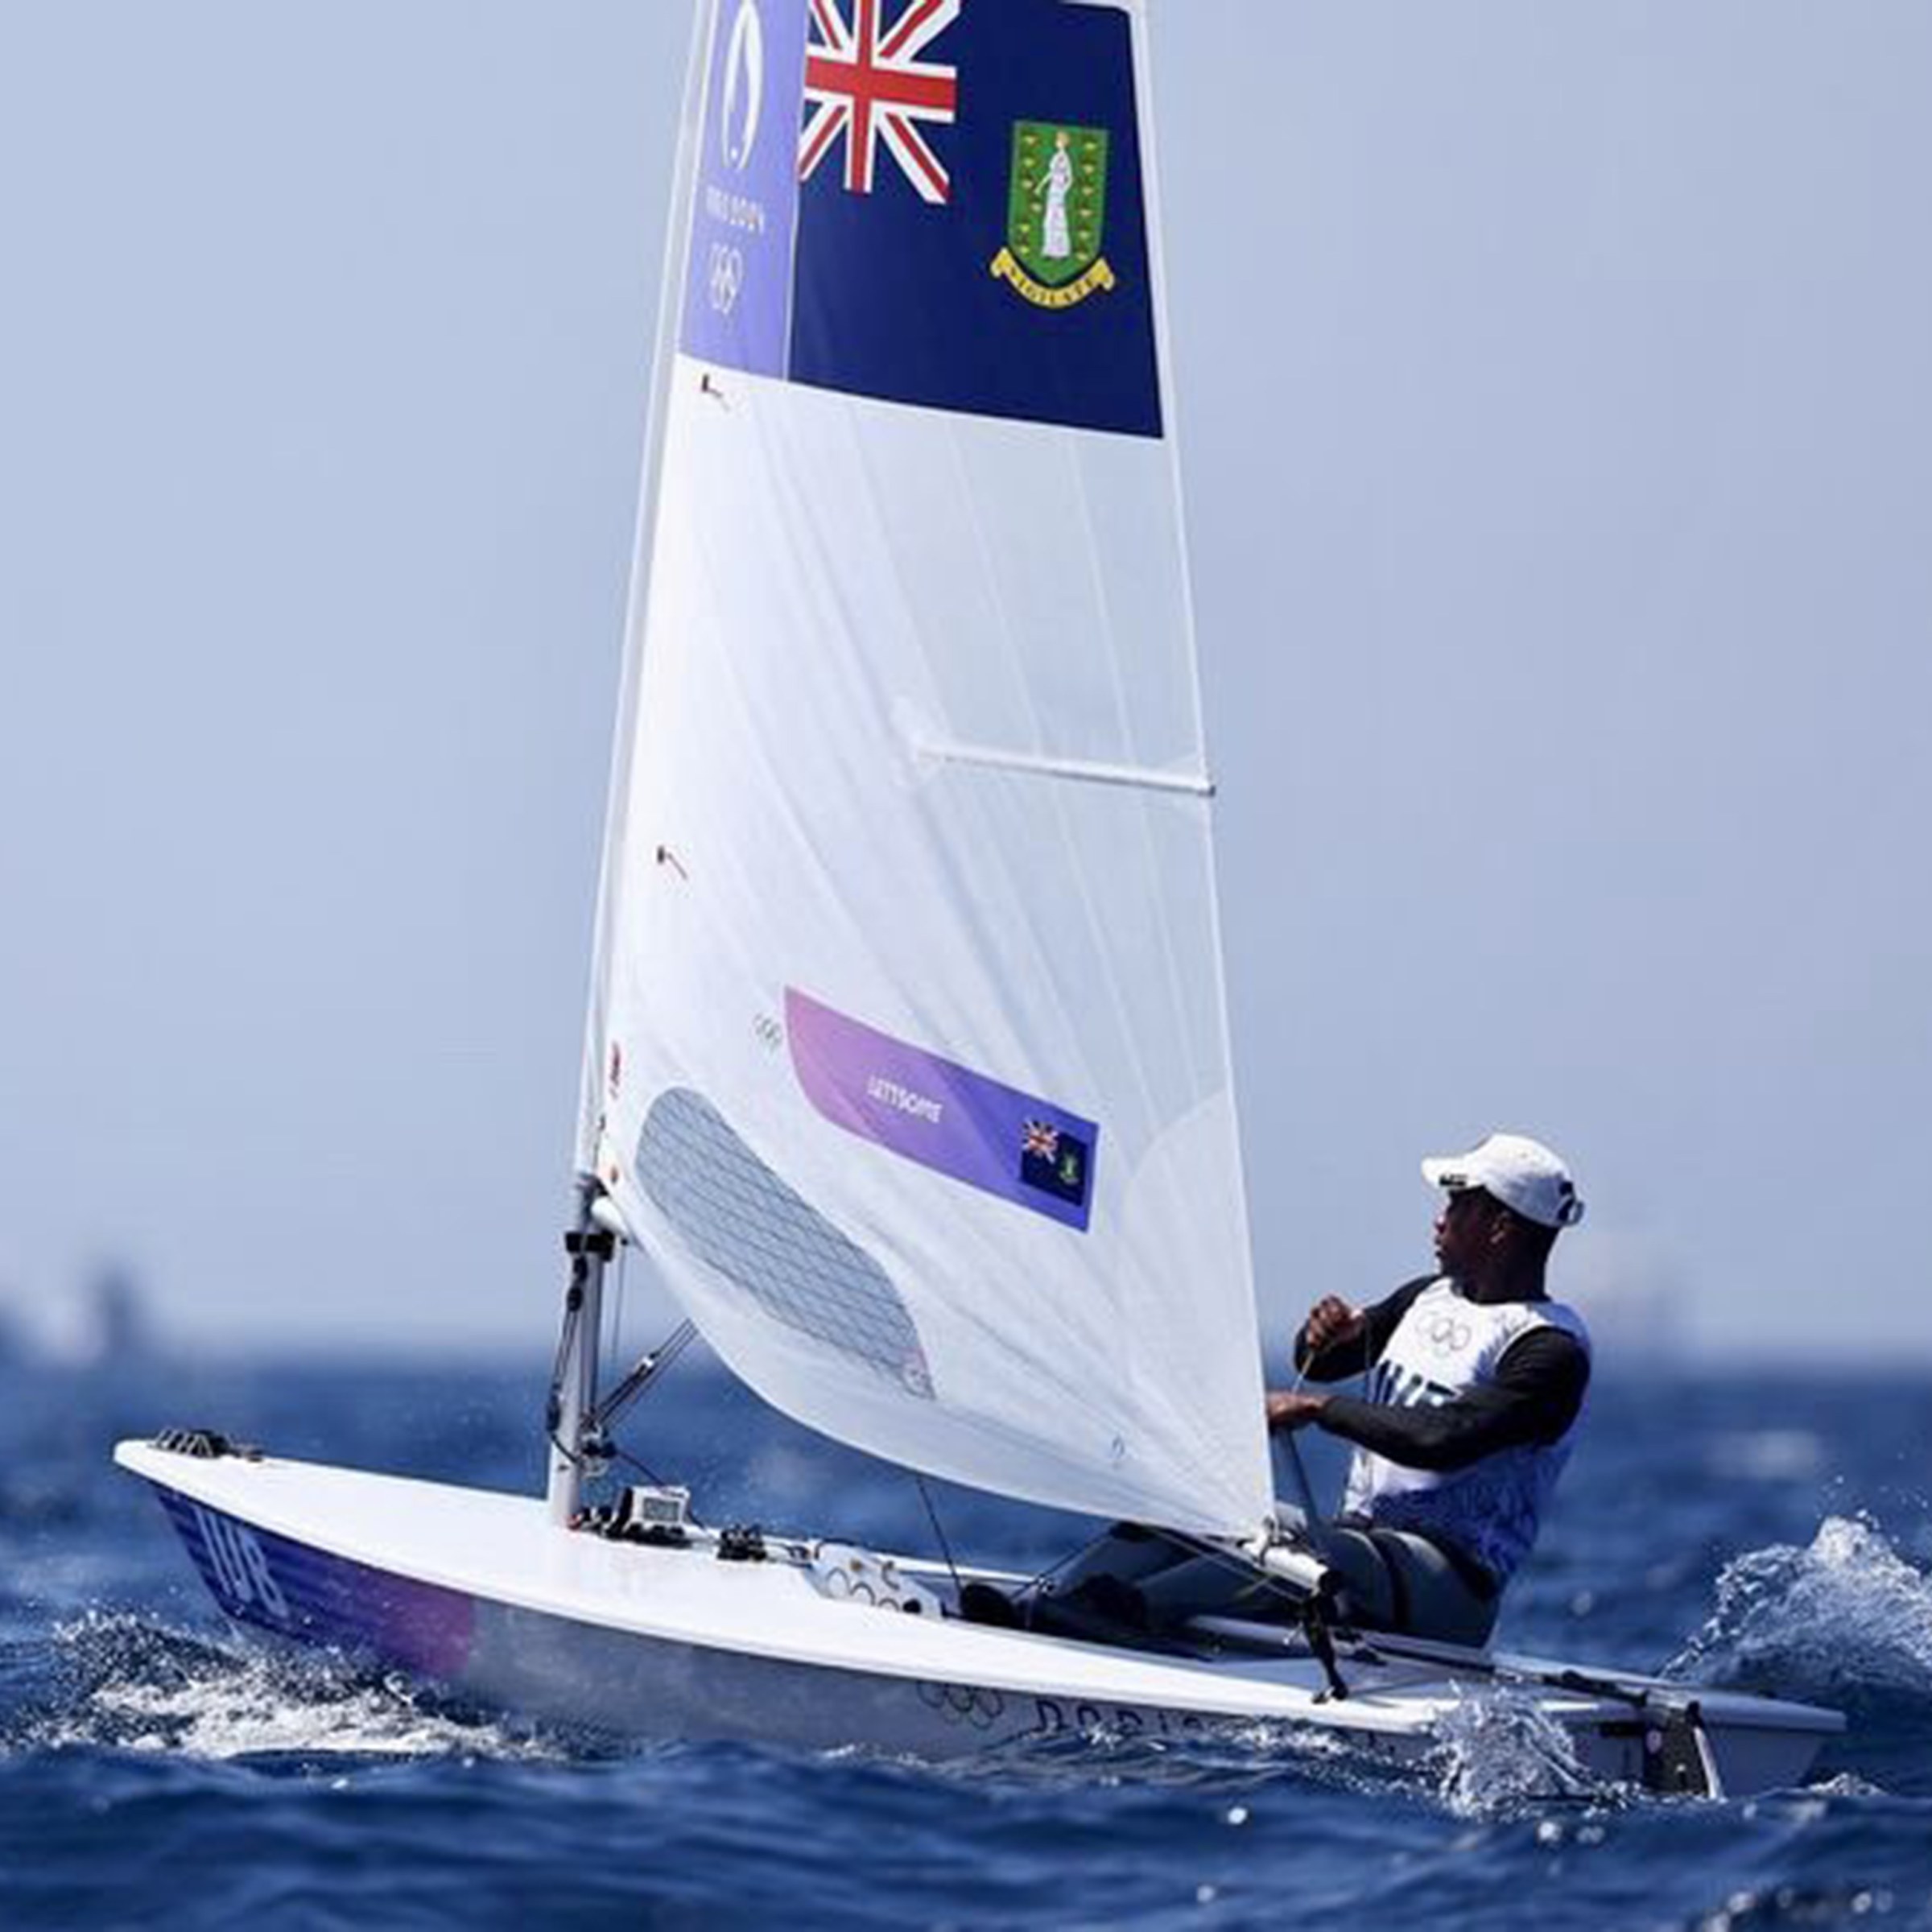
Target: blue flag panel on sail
x,y
933,202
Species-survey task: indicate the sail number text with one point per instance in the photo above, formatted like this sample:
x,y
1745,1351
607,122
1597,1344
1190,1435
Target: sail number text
x,y
242,1575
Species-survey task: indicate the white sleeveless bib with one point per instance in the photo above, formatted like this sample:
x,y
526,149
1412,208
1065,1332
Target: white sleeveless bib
x,y
1443,1347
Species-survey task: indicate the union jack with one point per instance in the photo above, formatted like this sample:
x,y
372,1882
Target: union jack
x,y
866,83
1042,1140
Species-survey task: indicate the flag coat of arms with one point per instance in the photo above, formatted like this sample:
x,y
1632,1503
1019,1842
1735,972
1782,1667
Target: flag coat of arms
x,y
904,148
1056,215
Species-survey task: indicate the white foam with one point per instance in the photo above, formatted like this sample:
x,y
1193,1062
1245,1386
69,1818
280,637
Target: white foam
x,y
1497,1752
134,1686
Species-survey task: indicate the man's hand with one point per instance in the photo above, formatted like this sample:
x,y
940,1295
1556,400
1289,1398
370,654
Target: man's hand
x,y
1291,1409
1331,1320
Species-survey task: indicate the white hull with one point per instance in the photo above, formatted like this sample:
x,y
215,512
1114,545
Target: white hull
x,y
481,1593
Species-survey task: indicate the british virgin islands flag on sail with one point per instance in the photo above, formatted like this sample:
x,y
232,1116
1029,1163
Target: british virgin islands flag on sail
x,y
931,202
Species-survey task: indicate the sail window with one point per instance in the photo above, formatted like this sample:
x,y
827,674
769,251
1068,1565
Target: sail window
x,y
762,1237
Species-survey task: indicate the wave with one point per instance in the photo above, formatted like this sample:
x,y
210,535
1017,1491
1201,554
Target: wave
x,y
1846,1622
1497,1755
117,1681
1847,1616
1494,1756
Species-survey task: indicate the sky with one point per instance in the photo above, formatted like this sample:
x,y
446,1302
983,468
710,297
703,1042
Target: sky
x,y
1555,405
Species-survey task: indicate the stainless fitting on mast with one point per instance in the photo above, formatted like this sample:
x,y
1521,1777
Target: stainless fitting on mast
x,y
573,1393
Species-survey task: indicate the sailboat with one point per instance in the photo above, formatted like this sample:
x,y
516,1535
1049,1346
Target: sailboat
x,y
907,1061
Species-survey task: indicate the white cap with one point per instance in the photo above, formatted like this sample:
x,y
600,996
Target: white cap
x,y
1522,1173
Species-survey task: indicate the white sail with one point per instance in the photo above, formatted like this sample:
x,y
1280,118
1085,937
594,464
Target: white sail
x,y
907,1057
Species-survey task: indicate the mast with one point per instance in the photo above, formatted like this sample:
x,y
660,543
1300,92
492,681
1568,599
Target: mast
x,y
677,244
592,1239
574,1386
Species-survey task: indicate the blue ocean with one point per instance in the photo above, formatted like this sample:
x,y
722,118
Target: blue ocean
x,y
159,1768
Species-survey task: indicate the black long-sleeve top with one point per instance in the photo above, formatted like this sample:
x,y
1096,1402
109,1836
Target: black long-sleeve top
x,y
1535,1398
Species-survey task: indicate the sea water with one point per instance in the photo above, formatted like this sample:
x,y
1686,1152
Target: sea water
x,y
159,1768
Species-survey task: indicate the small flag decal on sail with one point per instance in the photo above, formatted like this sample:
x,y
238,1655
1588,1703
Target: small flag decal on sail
x,y
943,1116
1054,1162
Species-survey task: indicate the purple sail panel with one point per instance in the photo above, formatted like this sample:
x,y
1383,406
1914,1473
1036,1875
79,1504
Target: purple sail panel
x,y
744,217
944,1116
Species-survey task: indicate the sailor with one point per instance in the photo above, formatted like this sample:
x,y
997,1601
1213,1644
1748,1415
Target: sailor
x,y
1476,1381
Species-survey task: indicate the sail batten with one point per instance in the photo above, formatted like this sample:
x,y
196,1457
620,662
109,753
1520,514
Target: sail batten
x,y
1086,771
908,1055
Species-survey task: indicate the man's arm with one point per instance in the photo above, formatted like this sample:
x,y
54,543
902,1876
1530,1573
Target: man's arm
x,y
1358,1349
1536,1396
